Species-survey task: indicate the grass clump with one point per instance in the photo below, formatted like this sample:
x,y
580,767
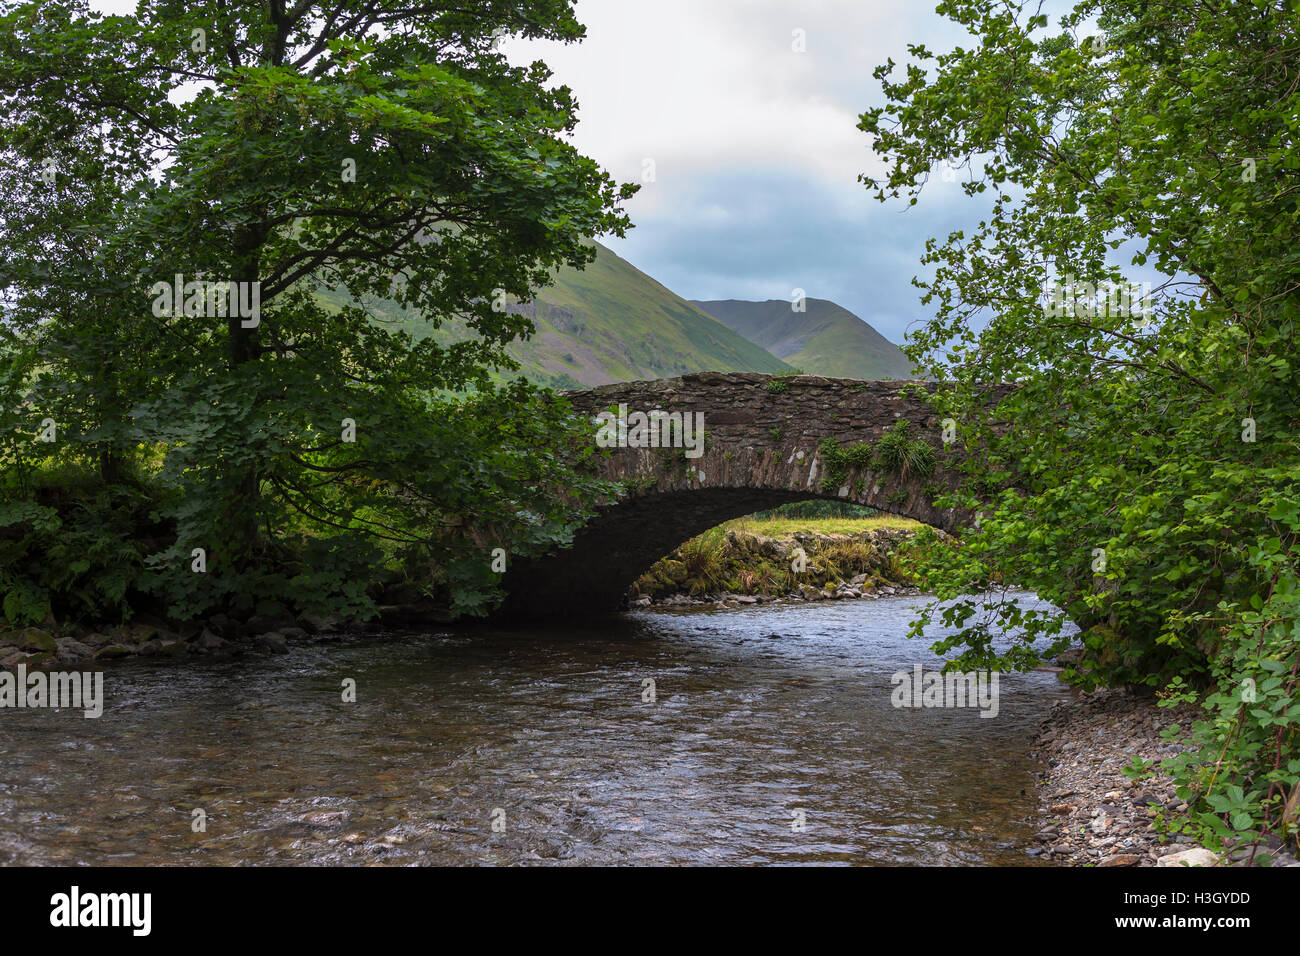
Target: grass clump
x,y
902,454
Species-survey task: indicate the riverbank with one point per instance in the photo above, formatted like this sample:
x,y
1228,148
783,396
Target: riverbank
x,y
1091,814
749,562
55,645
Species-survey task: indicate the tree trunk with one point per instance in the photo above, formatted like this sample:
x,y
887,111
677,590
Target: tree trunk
x,y
242,348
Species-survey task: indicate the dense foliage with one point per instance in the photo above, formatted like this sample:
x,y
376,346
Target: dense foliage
x,y
1145,475
816,508
194,455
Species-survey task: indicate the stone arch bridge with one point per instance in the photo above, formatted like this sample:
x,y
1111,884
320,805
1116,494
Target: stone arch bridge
x,y
762,449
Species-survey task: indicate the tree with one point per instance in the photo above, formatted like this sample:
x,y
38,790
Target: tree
x,y
1145,476
265,153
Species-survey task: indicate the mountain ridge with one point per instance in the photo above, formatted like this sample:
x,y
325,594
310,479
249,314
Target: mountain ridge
x,y
611,322
825,339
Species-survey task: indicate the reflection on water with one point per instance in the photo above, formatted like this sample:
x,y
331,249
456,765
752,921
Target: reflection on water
x,y
758,714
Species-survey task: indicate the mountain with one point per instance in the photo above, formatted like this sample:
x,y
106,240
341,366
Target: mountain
x,y
609,322
826,339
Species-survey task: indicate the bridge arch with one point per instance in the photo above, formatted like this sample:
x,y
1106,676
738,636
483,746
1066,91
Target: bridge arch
x,y
763,447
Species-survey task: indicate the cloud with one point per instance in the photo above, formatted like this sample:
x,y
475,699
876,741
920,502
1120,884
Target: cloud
x,y
760,233
698,86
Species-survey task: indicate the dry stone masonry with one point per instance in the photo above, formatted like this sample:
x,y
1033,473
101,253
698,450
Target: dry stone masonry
x,y
761,450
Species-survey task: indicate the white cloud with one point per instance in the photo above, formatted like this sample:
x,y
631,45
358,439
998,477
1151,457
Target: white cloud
x,y
701,86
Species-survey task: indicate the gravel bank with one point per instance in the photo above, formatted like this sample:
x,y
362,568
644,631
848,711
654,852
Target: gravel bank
x,y
1090,813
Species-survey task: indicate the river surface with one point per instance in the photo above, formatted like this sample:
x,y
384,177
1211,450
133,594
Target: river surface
x,y
771,738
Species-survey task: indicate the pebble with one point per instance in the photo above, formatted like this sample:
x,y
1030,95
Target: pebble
x,y
325,818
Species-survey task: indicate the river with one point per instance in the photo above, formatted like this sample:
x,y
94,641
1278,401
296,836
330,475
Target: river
x,y
771,739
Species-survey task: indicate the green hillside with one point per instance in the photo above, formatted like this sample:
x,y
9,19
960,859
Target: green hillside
x,y
610,323
827,339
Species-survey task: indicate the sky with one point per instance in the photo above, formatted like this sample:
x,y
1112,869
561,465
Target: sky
x,y
754,144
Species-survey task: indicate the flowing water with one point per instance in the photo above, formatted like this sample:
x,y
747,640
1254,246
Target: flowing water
x,y
771,738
